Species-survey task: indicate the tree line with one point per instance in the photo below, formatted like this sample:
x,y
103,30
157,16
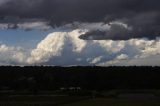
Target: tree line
x,y
87,78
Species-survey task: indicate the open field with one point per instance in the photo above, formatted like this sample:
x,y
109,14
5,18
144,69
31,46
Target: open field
x,y
114,102
79,86
31,100
64,100
106,98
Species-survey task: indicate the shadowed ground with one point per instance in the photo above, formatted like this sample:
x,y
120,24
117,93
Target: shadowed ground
x,y
114,102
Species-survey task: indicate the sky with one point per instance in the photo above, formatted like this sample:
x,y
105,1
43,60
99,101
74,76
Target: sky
x,y
80,32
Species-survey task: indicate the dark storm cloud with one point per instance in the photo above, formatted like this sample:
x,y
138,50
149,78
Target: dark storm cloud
x,y
116,32
142,15
76,10
139,26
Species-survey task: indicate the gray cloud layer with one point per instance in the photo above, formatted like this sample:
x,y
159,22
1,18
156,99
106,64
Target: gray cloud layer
x,y
142,16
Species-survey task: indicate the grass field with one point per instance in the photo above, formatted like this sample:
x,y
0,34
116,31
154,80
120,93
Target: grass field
x,y
113,102
76,101
121,99
32,100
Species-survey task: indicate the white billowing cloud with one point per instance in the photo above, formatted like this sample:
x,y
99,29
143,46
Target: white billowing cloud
x,y
12,55
96,60
119,58
147,61
65,48
110,45
122,57
4,26
51,46
152,60
148,54
54,44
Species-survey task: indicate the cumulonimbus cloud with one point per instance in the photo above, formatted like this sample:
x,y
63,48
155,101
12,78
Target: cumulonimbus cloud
x,y
65,48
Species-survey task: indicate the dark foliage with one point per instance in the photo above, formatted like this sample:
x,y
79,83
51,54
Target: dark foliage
x,y
87,78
